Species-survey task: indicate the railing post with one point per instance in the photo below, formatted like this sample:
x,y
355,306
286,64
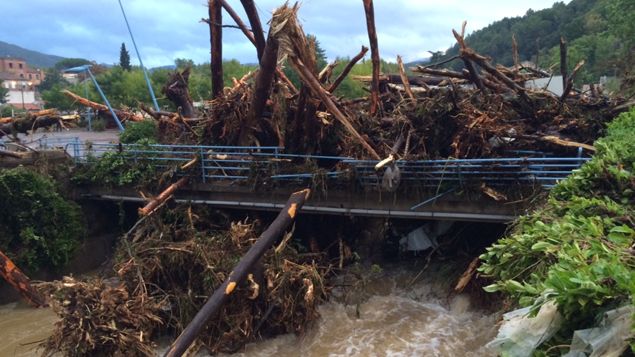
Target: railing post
x,y
202,153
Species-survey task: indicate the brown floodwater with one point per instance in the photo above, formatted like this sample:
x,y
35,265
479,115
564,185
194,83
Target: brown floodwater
x,y
22,328
387,316
392,317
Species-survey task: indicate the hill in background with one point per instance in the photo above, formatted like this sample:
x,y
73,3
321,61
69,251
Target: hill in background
x,y
33,58
596,31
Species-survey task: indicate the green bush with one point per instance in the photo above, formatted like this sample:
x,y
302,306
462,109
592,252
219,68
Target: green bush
x,y
38,228
117,168
137,131
577,249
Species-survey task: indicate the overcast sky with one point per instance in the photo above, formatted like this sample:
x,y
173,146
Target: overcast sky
x,y
169,29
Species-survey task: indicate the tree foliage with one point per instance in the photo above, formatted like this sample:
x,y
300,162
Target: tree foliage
x,y
70,63
124,58
38,228
3,93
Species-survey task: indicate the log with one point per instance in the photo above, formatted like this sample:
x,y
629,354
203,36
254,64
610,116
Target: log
x,y
556,140
122,115
256,26
467,275
239,273
167,193
262,90
374,55
404,79
474,75
20,282
440,72
347,69
308,78
483,63
216,42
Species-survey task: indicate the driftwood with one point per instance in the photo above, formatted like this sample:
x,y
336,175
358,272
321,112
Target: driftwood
x,y
239,273
374,55
176,90
122,115
463,53
347,69
162,197
216,42
20,282
404,79
467,275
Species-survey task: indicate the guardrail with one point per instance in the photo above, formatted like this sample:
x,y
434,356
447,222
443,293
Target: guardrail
x,y
241,163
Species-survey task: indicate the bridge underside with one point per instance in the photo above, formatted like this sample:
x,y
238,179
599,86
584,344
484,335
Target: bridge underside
x,y
432,205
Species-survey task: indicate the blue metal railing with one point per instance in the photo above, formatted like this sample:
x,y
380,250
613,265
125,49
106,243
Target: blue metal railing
x,y
239,163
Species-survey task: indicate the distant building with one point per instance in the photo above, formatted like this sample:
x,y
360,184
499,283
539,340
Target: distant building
x,y
22,82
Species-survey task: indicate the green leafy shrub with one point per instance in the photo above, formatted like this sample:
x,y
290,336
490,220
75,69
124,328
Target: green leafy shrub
x,y
117,168
578,248
137,131
38,227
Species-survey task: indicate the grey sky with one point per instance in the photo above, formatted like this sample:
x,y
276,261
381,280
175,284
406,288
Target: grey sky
x,y
169,29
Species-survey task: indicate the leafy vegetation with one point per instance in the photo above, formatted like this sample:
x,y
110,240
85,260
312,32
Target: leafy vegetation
x,y
578,250
38,227
3,93
137,131
116,168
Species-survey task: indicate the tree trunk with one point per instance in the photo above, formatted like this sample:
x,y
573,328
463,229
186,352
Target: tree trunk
x,y
238,274
20,282
256,27
176,90
374,55
216,41
262,90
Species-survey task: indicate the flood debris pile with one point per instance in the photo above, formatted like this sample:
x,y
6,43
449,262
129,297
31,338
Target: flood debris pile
x,y
27,122
164,272
484,111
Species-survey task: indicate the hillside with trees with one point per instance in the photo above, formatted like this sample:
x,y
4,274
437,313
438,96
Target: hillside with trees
x,y
599,32
33,58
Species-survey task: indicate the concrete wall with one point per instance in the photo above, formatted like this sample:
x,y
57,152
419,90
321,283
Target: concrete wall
x,y
15,97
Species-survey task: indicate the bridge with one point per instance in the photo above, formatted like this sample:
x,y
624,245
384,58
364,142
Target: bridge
x,y
261,178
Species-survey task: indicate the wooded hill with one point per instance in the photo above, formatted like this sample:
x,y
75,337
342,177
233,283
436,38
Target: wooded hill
x,y
596,31
33,58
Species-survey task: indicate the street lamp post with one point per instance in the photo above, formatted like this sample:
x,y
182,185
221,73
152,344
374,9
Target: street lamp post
x,y
22,92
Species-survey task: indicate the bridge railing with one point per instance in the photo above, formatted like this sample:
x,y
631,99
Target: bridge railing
x,y
241,163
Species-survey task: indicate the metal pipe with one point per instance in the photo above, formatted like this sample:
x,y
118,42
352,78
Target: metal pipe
x,y
103,96
145,73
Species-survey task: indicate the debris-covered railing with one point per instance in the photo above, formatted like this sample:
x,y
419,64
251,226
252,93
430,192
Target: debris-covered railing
x,y
240,163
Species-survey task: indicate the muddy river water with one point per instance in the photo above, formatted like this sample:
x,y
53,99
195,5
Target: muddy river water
x,y
393,317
